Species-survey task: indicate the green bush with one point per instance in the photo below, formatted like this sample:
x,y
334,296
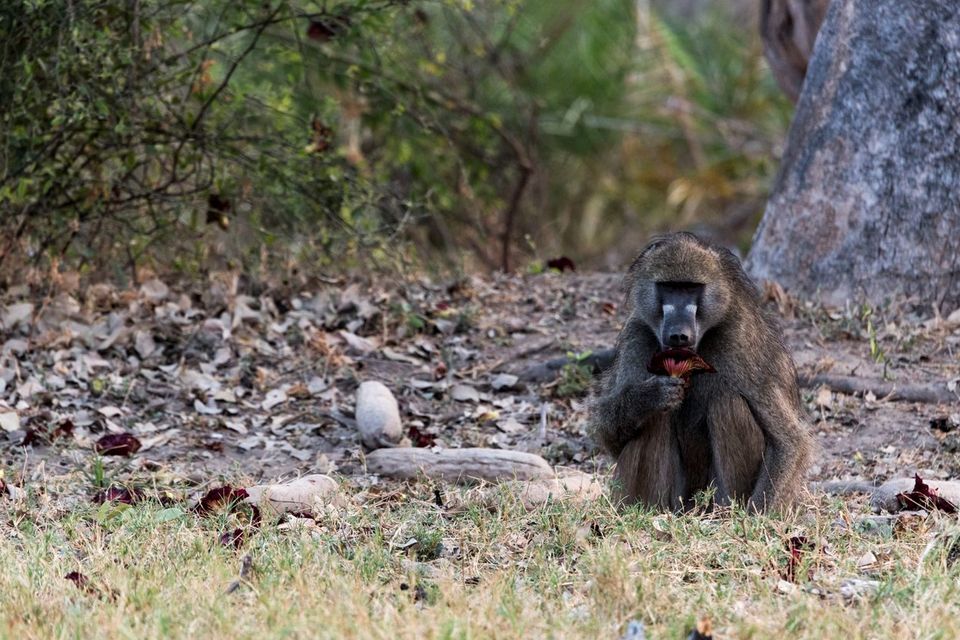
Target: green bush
x,y
400,130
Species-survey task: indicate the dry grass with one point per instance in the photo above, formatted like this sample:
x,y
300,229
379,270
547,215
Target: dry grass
x,y
480,568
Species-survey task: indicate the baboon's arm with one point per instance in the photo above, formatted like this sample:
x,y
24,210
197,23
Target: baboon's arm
x,y
627,404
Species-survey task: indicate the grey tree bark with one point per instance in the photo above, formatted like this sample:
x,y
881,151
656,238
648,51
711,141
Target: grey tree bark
x,y
867,201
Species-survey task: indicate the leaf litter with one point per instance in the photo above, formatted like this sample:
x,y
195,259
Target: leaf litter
x,y
193,383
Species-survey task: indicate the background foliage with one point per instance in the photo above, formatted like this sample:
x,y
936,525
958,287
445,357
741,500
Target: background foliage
x,y
193,134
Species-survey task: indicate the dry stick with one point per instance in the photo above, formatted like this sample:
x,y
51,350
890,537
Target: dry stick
x,y
545,371
844,487
930,393
527,351
458,465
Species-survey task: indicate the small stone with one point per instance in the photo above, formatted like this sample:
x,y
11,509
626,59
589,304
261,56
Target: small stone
x,y
378,415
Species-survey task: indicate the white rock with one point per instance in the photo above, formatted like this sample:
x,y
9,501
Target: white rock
x,y
575,486
303,495
953,320
17,346
378,415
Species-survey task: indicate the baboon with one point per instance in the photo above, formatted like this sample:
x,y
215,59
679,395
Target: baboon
x,y
741,430
789,30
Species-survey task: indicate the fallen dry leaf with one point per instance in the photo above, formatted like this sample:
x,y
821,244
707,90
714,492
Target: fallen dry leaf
x,y
796,546
9,421
421,439
48,434
233,538
123,495
81,581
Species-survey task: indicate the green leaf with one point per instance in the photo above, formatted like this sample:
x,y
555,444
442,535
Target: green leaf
x,y
169,514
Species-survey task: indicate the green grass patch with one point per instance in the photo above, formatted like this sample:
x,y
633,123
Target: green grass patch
x,y
476,570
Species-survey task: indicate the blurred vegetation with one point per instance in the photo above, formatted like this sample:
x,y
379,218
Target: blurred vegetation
x,y
195,135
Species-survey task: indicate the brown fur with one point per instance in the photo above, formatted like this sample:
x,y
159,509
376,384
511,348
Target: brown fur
x,y
789,30
741,430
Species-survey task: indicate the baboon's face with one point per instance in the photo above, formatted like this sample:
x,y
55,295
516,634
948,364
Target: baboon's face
x,y
678,291
679,303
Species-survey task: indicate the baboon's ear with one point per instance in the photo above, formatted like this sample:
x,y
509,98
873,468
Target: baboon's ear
x,y
655,242
727,255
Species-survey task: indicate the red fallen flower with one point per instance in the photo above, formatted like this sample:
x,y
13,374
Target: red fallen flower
x,y
924,497
421,439
220,498
561,264
678,363
117,444
82,582
86,585
47,434
117,494
796,547
232,538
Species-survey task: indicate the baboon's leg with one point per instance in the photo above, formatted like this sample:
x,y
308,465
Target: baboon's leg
x,y
787,448
649,470
737,444
693,443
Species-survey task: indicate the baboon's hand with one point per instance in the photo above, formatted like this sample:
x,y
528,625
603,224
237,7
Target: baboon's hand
x,y
665,392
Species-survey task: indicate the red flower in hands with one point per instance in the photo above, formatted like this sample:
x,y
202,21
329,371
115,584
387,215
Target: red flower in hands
x,y
678,363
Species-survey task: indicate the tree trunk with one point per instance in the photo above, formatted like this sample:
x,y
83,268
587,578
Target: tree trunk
x,y
867,201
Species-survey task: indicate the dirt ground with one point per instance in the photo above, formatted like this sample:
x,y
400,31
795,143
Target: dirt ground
x,y
230,379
